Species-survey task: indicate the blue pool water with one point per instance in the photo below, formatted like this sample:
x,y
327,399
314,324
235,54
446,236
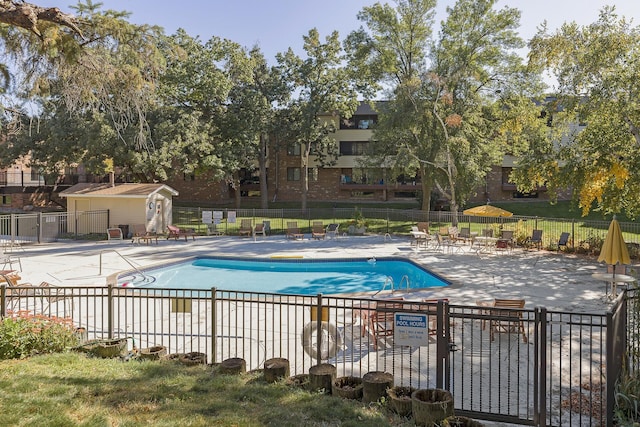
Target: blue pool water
x,y
298,277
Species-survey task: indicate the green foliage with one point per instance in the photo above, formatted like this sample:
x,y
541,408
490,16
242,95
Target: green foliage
x,y
26,335
597,68
627,395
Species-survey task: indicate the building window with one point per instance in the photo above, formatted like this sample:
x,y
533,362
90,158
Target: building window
x,y
293,150
293,174
6,200
359,122
354,148
35,175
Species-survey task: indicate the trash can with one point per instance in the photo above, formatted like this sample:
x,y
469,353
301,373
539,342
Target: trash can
x,y
125,230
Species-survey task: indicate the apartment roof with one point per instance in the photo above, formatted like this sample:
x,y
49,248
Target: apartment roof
x,y
120,190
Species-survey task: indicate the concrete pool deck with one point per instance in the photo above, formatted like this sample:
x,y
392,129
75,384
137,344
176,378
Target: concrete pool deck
x,y
556,281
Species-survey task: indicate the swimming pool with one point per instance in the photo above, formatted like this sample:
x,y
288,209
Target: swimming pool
x,y
286,276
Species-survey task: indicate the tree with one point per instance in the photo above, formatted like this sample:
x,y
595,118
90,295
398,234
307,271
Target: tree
x,y
597,68
96,61
322,86
252,111
441,120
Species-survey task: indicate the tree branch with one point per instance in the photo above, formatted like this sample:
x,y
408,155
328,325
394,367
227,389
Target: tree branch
x,y
26,15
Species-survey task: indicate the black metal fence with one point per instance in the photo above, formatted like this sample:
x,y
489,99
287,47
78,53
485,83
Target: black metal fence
x,y
586,236
523,366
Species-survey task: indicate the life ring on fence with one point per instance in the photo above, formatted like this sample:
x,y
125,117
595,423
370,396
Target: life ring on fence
x,y
331,340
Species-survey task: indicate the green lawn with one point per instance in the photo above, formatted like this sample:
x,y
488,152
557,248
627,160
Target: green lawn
x,y
72,389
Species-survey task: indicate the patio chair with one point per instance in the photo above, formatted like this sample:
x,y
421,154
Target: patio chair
x,y
246,228
333,230
259,229
140,234
505,242
114,234
382,320
563,241
504,318
293,232
177,232
535,239
465,234
318,231
423,226
53,294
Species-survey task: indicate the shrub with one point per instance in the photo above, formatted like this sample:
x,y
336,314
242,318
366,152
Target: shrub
x,y
23,334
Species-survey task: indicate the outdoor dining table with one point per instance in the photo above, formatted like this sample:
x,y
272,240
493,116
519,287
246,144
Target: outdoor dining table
x,y
613,279
420,237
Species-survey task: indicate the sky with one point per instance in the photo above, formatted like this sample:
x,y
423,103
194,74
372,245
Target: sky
x,y
276,25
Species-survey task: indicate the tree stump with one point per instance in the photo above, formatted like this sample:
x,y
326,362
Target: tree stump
x,y
400,399
375,385
347,388
152,353
193,358
431,406
461,422
321,377
235,365
276,368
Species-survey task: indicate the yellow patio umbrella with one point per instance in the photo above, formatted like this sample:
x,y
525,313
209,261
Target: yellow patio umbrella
x,y
614,249
487,210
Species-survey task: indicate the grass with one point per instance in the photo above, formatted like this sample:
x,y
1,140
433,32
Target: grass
x,y
71,389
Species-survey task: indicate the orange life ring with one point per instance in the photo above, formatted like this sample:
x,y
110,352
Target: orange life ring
x,y
331,340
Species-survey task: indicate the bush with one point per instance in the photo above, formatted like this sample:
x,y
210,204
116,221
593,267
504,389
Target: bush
x,y
24,334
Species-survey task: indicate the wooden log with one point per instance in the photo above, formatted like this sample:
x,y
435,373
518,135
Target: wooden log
x,y
347,387
322,376
375,385
431,406
275,369
235,365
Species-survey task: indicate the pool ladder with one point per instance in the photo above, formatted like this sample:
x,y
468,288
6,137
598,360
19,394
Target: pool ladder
x,y
388,281
136,269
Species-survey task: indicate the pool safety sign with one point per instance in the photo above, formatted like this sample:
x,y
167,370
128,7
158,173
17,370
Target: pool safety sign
x,y
411,329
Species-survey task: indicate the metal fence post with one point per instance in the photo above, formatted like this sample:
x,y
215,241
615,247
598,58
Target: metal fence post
x,y
540,363
3,300
214,332
110,310
319,329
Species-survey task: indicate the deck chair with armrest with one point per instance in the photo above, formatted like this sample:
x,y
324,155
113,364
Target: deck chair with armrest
x,y
293,231
465,234
177,232
423,226
114,233
259,229
140,234
246,228
333,230
52,294
505,318
382,320
505,241
535,239
317,230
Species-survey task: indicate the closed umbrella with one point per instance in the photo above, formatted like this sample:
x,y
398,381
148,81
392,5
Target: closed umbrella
x,y
614,249
487,210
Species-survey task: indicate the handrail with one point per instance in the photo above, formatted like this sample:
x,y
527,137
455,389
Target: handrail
x,y
402,280
387,280
124,258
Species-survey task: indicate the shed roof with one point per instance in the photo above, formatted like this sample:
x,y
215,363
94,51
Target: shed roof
x,y
117,190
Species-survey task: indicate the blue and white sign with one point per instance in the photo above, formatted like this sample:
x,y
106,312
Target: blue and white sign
x,y
411,329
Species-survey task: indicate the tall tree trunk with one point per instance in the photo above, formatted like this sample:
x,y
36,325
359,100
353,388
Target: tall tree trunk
x,y
262,165
305,149
427,185
236,185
